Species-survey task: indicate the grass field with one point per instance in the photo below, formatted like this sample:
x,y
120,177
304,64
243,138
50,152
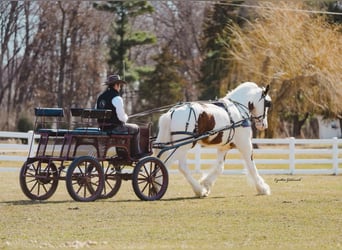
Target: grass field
x,y
303,212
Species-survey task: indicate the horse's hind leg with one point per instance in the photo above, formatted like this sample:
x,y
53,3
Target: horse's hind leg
x,y
199,190
209,179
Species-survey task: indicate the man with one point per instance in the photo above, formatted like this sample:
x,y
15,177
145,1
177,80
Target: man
x,y
111,99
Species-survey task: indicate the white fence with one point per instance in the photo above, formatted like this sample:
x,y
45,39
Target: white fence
x,y
273,156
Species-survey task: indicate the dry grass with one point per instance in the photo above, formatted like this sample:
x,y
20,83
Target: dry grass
x,y
301,214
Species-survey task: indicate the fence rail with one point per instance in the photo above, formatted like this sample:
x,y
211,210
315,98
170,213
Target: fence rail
x,y
292,156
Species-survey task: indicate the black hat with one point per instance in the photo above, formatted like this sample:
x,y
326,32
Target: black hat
x,y
113,79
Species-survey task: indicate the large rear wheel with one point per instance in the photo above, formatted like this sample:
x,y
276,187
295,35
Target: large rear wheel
x,y
38,180
85,179
150,179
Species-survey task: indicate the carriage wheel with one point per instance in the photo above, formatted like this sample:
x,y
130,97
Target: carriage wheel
x,y
84,179
38,180
150,179
112,180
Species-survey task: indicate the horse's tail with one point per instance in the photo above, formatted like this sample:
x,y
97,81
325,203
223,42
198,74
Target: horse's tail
x,y
164,133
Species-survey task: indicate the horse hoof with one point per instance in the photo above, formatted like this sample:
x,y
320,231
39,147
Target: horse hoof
x,y
264,190
203,193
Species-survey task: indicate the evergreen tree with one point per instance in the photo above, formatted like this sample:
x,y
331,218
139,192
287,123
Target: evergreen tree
x,y
165,85
215,64
122,38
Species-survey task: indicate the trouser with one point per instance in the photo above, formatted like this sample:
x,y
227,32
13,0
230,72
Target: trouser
x,y
131,129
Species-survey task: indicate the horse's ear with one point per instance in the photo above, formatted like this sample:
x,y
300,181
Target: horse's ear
x,y
250,106
266,89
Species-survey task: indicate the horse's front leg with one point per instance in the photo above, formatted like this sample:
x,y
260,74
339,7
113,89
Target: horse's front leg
x,y
261,186
246,150
199,190
209,179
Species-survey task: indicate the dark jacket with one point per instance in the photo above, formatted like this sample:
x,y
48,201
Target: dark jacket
x,y
104,101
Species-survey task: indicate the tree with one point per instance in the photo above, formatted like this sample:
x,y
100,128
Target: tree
x,y
122,38
121,42
165,85
16,36
178,25
215,63
51,55
298,54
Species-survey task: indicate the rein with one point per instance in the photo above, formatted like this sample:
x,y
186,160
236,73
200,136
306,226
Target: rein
x,y
152,111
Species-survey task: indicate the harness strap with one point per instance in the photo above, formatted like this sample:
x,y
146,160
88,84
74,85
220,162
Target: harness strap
x,y
228,112
182,133
241,108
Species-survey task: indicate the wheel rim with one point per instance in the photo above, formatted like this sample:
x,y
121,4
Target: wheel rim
x,y
150,179
39,180
85,179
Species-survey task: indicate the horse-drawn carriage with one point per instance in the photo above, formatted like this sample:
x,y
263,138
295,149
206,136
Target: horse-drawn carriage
x,y
92,162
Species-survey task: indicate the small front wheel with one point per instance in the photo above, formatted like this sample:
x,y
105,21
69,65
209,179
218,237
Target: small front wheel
x,y
150,179
85,179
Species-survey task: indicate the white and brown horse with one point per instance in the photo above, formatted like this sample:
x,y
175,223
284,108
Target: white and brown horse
x,y
223,124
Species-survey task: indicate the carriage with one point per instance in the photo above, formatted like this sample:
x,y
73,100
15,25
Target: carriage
x,y
92,162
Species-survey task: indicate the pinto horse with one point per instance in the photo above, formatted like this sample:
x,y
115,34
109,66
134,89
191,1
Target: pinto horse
x,y
224,124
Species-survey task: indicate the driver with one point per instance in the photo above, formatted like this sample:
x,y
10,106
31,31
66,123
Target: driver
x,y
111,99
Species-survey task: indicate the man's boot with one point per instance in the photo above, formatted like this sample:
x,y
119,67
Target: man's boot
x,y
135,147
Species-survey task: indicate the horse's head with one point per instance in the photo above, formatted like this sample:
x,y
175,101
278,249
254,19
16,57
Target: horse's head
x,y
258,108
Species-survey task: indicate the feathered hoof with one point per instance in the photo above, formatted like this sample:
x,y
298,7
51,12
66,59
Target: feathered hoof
x,y
264,190
203,192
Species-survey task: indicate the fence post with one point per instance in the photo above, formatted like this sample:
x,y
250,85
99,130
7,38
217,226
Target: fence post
x,y
335,155
292,156
197,158
30,141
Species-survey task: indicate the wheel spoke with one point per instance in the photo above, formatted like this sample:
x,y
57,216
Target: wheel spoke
x,y
143,189
45,189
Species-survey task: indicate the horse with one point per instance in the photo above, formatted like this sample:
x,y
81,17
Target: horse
x,y
223,124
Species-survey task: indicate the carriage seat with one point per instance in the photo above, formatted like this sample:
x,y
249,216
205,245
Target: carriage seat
x,y
49,112
45,117
87,115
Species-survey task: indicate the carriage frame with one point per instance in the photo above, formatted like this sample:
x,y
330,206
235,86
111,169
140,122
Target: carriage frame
x,y
92,162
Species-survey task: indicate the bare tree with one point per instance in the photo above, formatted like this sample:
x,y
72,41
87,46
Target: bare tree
x,y
17,28
52,54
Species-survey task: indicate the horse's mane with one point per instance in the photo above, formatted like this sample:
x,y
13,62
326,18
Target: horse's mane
x,y
241,87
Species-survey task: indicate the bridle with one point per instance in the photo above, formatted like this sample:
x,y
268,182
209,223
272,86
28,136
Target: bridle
x,y
267,104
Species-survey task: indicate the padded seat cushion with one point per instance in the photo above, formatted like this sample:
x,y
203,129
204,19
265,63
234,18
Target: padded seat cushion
x,y
53,132
57,112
